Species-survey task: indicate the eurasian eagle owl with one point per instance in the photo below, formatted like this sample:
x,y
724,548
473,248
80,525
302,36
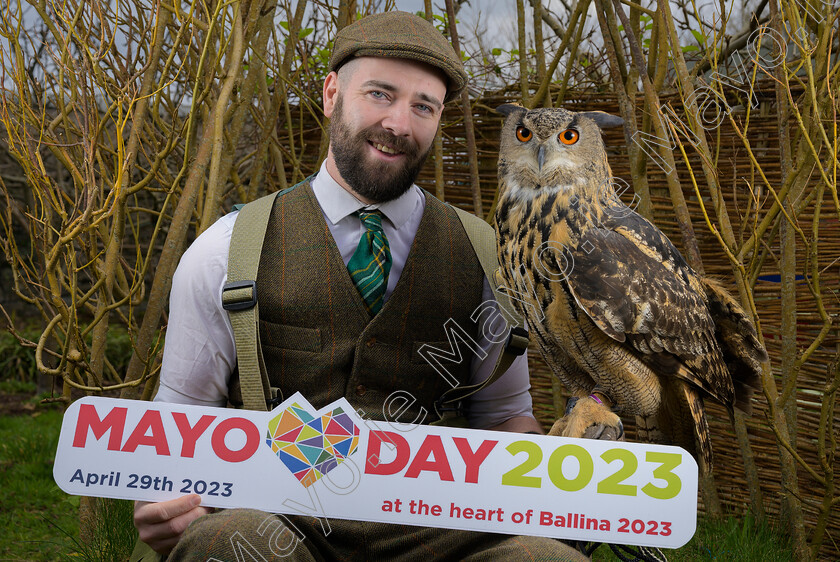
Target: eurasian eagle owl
x,y
618,315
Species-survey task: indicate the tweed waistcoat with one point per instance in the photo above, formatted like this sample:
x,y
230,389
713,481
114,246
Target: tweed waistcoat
x,y
317,337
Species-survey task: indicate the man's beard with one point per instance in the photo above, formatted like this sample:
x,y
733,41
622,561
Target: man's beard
x,y
376,181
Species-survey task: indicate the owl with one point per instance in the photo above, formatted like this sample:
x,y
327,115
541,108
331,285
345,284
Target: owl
x,y
618,315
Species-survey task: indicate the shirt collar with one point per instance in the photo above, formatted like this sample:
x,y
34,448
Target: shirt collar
x,y
337,202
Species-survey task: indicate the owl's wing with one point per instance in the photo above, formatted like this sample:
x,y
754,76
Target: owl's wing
x,y
636,287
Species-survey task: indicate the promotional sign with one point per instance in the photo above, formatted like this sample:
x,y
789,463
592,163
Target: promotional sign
x,y
334,464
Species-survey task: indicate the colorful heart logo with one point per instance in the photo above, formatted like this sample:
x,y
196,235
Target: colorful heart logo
x,y
311,446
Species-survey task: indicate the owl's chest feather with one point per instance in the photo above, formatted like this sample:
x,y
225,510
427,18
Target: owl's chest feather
x,y
536,241
543,229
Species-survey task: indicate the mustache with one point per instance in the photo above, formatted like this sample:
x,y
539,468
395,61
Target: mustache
x,y
400,144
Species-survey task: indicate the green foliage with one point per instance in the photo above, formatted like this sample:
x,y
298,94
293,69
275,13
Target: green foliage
x,y
512,57
17,362
438,20
119,347
17,387
39,521
647,25
322,55
114,536
700,37
31,504
737,539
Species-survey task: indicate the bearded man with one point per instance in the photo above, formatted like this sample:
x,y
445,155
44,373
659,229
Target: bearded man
x,y
327,335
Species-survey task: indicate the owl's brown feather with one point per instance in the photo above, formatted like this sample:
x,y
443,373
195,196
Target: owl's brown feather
x,y
611,303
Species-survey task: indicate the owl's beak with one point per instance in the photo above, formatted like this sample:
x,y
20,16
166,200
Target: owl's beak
x,y
541,156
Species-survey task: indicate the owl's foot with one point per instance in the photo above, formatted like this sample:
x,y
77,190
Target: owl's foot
x,y
589,419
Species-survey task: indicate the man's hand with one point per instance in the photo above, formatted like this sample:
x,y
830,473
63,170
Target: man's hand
x,y
162,524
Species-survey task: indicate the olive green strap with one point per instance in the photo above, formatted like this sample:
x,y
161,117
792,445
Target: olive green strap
x,y
483,240
239,298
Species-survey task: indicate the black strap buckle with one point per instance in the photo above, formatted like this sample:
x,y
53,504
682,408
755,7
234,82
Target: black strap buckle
x,y
449,409
277,398
518,340
441,408
239,295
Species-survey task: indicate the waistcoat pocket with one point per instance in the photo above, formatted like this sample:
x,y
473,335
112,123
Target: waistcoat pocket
x,y
285,336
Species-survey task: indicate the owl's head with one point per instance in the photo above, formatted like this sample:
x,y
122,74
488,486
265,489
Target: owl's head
x,y
552,148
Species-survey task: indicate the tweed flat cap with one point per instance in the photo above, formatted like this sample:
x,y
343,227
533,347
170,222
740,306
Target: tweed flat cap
x,y
400,35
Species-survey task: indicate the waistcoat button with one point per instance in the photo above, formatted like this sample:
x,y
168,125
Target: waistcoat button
x,y
370,342
361,390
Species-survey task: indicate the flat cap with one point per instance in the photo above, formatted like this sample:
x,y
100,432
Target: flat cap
x,y
400,35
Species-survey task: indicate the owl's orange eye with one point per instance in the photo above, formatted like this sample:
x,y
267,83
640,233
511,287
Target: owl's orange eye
x,y
569,136
523,134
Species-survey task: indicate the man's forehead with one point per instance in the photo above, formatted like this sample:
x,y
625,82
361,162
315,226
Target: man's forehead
x,y
429,80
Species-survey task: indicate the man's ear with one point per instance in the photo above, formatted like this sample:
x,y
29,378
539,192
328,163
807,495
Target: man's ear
x,y
330,93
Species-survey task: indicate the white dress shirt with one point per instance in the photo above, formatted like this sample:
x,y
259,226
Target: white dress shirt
x,y
200,355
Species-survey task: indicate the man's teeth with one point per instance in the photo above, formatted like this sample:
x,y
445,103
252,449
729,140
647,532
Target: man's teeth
x,y
385,149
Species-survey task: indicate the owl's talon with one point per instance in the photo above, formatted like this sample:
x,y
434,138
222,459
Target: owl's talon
x,y
594,431
589,419
605,432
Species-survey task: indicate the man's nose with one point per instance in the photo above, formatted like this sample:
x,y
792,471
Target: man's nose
x,y
398,119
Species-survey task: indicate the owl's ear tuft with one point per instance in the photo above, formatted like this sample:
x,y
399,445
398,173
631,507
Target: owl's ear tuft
x,y
508,108
603,120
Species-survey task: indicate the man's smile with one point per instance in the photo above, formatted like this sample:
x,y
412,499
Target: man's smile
x,y
388,151
385,148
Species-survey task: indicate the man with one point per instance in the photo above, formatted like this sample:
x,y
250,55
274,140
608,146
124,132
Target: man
x,y
390,76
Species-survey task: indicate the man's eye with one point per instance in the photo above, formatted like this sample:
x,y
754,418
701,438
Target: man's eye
x,y
424,108
378,95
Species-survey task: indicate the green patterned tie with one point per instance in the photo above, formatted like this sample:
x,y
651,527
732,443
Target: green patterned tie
x,y
371,262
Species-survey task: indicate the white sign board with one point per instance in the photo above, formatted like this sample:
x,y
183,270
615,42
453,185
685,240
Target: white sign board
x,y
333,464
